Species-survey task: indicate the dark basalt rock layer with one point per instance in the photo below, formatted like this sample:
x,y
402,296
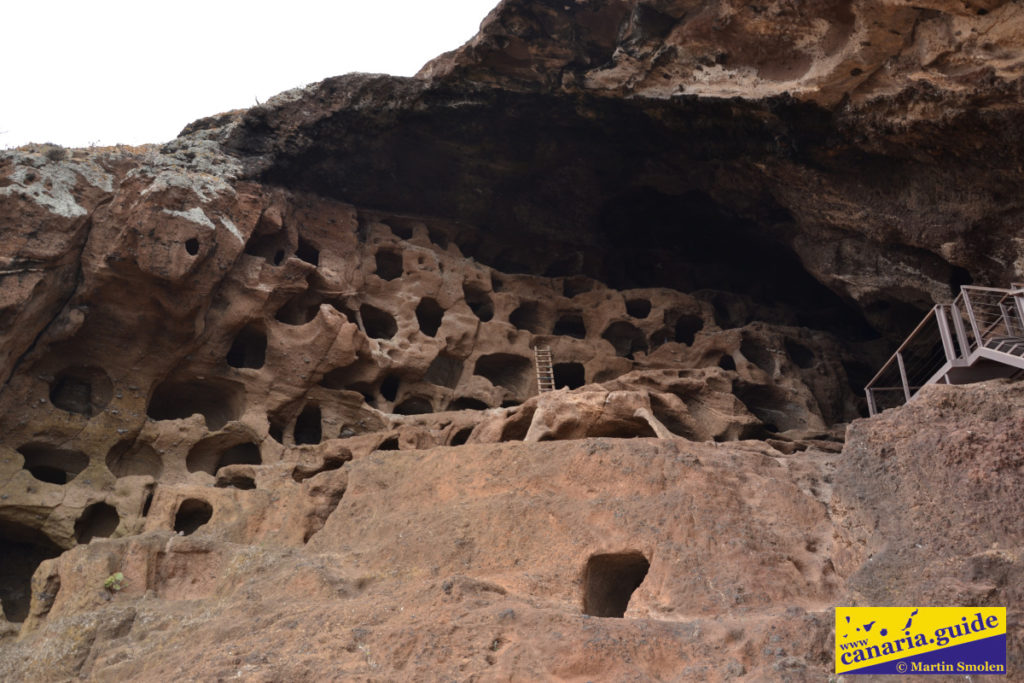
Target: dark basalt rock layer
x,y
891,196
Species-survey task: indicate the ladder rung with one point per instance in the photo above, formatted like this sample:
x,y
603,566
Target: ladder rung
x,y
545,373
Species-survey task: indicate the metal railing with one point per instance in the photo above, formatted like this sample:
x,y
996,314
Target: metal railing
x,y
994,313
951,335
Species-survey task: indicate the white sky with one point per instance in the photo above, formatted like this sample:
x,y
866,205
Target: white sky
x,y
104,72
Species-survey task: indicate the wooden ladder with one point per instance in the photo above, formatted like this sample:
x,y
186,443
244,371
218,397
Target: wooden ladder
x,y
545,372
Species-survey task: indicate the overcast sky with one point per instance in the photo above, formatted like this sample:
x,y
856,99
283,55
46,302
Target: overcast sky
x,y
113,71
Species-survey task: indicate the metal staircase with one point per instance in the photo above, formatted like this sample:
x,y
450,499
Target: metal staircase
x,y
545,372
977,337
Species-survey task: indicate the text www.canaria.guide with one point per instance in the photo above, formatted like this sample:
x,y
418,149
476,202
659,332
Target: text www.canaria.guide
x,y
856,652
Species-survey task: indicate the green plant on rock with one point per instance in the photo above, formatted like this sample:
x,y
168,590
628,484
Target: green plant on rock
x,y
114,582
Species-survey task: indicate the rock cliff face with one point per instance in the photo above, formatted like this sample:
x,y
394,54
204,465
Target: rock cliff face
x,y
279,372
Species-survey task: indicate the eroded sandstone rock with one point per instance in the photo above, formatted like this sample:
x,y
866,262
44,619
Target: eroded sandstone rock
x,y
222,331
500,542
279,372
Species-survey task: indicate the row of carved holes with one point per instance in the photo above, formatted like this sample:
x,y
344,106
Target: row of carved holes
x,y
307,429
273,248
59,466
506,370
380,324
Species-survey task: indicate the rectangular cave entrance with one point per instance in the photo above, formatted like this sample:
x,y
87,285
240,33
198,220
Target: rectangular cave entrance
x,y
22,549
569,375
192,514
609,581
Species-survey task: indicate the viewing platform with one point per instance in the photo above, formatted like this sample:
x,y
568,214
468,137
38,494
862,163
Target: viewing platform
x,y
979,336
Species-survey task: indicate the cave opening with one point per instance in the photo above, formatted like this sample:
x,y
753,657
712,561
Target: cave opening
x,y
22,550
591,175
897,319
858,374
800,354
729,310
958,277
299,310
83,390
215,452
461,436
340,307
308,426
271,247
574,286
769,404
219,402
242,482
242,454
527,317
388,444
660,337
71,394
609,581
570,325
506,370
192,246
429,315
626,338
438,238
569,375
51,464
755,351
467,403
691,242
389,387
191,515
478,301
634,428
98,520
276,428
686,328
413,405
249,349
377,323
400,228
638,308
606,206
307,252
389,264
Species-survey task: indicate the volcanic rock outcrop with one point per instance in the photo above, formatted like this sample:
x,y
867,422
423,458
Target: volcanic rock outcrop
x,y
279,372
209,330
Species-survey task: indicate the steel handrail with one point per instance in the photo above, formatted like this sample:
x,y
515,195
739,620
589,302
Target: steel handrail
x,y
959,342
902,347
1007,296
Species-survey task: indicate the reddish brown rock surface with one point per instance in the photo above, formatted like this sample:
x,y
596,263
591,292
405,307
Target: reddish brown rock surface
x,y
279,372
